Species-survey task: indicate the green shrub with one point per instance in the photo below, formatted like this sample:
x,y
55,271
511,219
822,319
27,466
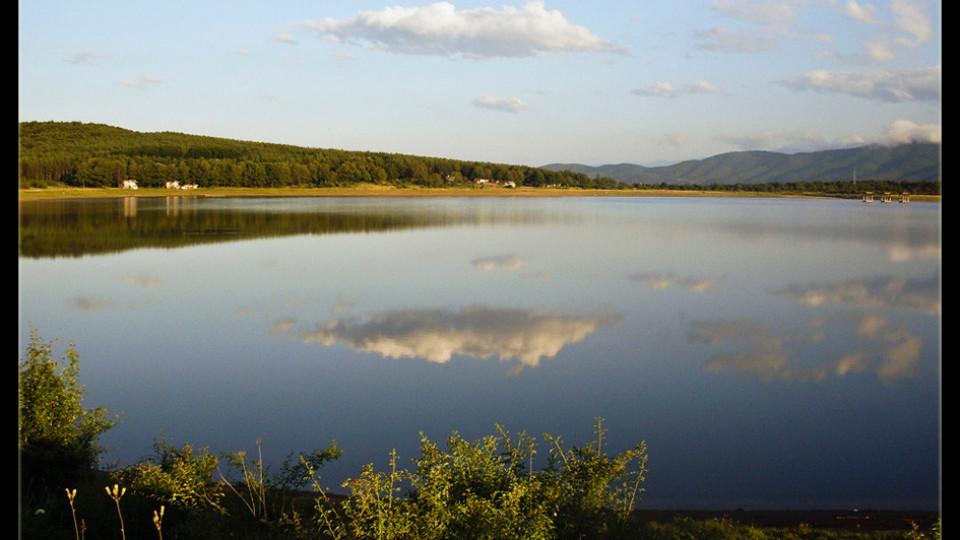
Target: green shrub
x,y
593,491
297,471
179,477
57,436
489,488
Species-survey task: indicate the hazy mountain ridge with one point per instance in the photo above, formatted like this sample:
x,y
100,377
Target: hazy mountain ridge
x,y
913,162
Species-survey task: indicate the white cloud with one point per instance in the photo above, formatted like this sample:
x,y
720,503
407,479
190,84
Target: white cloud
x,y
721,39
768,20
673,139
905,131
665,89
879,51
911,17
658,89
441,29
505,104
922,84
791,141
908,25
753,141
702,87
865,13
653,281
141,82
83,58
768,13
284,36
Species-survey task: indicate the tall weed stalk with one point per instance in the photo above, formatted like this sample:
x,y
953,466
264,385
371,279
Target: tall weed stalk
x,y
116,494
253,496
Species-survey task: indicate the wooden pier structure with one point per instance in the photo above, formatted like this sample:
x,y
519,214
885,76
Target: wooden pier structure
x,y
887,197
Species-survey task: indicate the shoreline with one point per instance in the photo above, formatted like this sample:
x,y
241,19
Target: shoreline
x,y
845,520
31,194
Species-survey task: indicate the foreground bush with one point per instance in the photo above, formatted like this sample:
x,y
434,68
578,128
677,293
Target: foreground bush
x,y
489,488
57,436
181,477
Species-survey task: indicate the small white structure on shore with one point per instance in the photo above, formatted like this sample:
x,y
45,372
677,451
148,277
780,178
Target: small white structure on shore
x,y
176,185
128,184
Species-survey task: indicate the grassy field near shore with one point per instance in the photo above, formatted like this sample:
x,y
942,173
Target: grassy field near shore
x,y
375,190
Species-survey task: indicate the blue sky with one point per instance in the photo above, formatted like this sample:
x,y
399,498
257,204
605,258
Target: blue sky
x,y
605,81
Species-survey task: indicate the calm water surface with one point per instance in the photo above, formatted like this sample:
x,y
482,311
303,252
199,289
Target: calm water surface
x,y
772,353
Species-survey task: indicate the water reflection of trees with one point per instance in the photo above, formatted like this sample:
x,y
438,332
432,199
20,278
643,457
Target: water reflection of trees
x,y
77,228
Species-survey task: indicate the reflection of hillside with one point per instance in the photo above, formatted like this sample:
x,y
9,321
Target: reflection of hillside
x,y
67,228
76,228
522,335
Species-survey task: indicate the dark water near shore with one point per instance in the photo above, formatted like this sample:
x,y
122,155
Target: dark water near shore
x,y
772,353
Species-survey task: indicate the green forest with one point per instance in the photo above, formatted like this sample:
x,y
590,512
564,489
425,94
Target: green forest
x,y
96,155
88,155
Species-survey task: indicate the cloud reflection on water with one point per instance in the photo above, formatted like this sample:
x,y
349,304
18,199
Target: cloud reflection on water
x,y
498,262
803,354
510,334
915,295
890,349
662,281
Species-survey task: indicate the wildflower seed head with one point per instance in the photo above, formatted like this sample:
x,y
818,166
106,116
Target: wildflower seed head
x,y
117,491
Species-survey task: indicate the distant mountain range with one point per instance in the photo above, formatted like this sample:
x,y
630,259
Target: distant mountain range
x,y
907,162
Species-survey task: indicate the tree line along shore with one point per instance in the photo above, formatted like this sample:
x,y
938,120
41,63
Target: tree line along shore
x,y
373,190
61,156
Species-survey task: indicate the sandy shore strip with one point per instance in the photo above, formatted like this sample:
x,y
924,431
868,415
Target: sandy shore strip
x,y
373,190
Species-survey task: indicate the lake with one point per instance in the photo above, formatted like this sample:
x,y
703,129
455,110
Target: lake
x,y
772,353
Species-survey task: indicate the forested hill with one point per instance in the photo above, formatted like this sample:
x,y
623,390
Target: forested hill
x,y
97,155
907,162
